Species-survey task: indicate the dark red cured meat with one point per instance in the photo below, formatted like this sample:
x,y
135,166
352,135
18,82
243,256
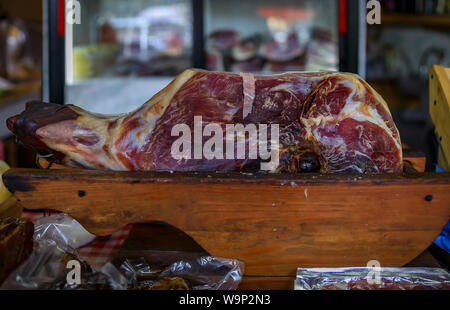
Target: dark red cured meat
x,y
285,51
223,39
328,122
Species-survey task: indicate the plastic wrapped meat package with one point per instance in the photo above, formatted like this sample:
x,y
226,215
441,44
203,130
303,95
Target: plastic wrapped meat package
x,y
372,279
56,238
195,273
64,230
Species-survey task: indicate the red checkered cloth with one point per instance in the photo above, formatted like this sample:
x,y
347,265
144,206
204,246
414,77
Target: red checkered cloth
x,y
102,249
98,252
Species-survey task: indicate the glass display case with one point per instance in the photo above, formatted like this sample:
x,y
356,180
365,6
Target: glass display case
x,y
121,38
124,51
271,36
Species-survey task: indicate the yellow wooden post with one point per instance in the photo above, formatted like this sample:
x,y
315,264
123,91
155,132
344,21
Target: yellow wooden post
x,y
440,111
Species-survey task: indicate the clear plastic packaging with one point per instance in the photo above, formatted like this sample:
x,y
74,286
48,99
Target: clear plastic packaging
x,y
49,265
196,273
55,238
62,229
357,279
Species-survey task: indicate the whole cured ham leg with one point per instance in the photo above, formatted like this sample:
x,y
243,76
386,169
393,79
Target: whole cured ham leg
x,y
327,122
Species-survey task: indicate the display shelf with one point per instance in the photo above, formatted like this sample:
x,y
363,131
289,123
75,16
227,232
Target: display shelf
x,y
20,90
435,21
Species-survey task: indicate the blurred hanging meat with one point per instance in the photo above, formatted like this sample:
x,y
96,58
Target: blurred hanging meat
x,y
328,122
223,39
246,48
283,50
255,64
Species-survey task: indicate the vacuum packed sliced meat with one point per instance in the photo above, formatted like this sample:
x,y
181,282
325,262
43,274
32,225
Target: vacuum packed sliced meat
x,y
315,122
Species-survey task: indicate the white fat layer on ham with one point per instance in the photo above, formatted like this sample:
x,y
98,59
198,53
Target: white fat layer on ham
x,y
150,116
92,156
248,81
352,109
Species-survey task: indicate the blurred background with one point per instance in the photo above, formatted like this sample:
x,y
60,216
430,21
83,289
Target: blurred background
x,y
123,51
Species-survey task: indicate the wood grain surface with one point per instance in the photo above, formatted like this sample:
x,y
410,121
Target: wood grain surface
x,y
439,78
10,208
162,245
274,223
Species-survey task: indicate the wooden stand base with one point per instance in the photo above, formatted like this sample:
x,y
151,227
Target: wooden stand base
x,y
273,223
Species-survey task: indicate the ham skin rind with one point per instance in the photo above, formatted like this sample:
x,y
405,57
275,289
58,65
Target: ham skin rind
x,y
328,122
